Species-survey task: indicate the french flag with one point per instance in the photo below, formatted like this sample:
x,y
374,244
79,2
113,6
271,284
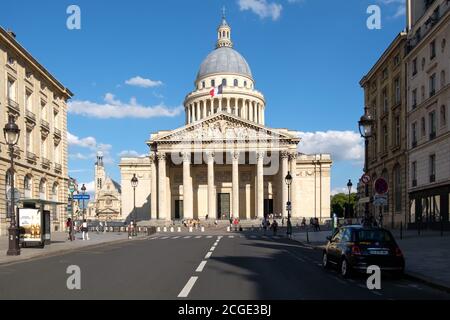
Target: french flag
x,y
216,91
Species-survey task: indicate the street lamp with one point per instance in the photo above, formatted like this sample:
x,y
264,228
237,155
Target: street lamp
x,y
365,129
83,192
12,133
288,180
134,184
349,186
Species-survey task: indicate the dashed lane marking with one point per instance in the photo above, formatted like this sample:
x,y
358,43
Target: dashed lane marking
x,y
208,255
188,287
201,266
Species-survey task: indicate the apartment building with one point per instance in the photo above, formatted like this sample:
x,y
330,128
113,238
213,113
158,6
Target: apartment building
x,y
37,101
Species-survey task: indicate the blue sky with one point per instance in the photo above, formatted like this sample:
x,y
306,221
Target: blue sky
x,y
307,57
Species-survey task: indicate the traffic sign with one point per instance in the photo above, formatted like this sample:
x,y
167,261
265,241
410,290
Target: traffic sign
x,y
380,200
365,179
81,197
364,200
381,186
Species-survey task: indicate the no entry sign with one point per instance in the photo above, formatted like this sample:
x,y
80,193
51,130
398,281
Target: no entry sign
x,y
381,186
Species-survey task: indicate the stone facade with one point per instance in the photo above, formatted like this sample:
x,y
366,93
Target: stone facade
x,y
225,161
384,91
428,71
38,103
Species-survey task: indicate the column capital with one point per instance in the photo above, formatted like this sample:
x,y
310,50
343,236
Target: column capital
x,y
285,154
293,155
152,157
162,156
236,155
210,156
186,156
260,155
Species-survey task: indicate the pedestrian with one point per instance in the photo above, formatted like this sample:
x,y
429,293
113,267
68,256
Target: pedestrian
x,y
274,227
304,222
207,217
282,222
289,229
130,230
69,226
85,230
236,224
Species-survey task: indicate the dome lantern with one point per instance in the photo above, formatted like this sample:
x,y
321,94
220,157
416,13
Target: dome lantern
x,y
224,33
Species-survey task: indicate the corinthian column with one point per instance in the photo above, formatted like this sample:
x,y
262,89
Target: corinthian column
x,y
187,187
211,193
284,187
162,195
235,184
294,189
154,188
260,185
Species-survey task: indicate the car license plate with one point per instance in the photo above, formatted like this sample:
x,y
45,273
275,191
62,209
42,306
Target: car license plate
x,y
379,252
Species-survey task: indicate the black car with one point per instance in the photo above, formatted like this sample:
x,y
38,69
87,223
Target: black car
x,y
355,248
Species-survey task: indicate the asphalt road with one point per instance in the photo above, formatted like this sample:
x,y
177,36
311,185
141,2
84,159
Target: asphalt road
x,y
227,267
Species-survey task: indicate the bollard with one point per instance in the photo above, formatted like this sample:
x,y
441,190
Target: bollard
x,y
190,229
158,229
179,229
307,236
165,229
203,229
228,229
172,229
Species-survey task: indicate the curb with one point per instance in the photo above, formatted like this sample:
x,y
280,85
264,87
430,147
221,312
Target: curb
x,y
64,251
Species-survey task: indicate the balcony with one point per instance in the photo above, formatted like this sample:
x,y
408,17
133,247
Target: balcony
x,y
31,157
45,126
57,133
432,178
46,163
432,93
58,168
414,183
30,116
13,106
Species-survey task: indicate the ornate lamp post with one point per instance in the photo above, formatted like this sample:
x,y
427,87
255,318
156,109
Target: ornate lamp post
x,y
12,134
134,184
365,129
349,186
83,192
288,180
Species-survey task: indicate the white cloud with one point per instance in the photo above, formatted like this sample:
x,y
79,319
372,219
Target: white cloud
x,y
91,144
90,187
262,8
340,190
143,83
342,145
400,5
113,108
88,142
131,153
78,156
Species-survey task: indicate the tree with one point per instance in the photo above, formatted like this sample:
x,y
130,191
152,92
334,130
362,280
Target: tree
x,y
339,204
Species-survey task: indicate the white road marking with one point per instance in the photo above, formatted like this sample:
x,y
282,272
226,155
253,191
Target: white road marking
x,y
208,237
231,237
198,237
187,237
219,237
201,266
164,238
188,287
208,255
212,249
175,238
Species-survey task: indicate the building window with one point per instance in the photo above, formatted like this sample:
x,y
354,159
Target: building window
x,y
414,134
432,49
245,84
443,116
29,140
443,79
385,101
414,98
44,148
43,110
29,100
423,127
414,173
432,122
398,96
27,186
396,60
432,84
423,92
414,67
385,73
385,139
11,89
55,192
397,189
397,131
213,83
224,82
432,167
203,84
236,83
42,190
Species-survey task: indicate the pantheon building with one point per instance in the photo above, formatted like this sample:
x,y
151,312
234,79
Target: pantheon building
x,y
225,161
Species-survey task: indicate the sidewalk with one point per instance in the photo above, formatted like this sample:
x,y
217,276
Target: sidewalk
x,y
427,256
60,244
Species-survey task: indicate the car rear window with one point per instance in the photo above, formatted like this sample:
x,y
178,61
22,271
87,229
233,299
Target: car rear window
x,y
373,236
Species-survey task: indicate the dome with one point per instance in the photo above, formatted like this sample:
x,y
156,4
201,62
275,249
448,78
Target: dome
x,y
224,60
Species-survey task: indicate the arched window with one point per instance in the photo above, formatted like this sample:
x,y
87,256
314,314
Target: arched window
x,y
28,187
223,34
42,190
245,84
397,188
224,82
203,84
213,83
236,82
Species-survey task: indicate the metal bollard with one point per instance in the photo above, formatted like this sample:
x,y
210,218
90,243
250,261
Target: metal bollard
x,y
190,229
172,229
158,229
203,229
179,229
165,229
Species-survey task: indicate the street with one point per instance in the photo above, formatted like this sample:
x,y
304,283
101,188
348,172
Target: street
x,y
245,266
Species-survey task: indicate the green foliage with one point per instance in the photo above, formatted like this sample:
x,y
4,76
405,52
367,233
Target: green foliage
x,y
339,204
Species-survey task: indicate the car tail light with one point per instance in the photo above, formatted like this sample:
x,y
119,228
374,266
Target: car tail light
x,y
356,251
398,252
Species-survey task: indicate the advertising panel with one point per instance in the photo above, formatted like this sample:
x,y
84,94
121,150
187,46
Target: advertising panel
x,y
30,223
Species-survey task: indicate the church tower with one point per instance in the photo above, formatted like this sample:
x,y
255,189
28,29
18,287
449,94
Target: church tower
x,y
100,174
224,33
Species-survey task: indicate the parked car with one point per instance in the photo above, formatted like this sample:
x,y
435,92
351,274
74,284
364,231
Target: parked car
x,y
355,248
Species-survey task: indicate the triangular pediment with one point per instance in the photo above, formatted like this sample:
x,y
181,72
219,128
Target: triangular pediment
x,y
222,127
